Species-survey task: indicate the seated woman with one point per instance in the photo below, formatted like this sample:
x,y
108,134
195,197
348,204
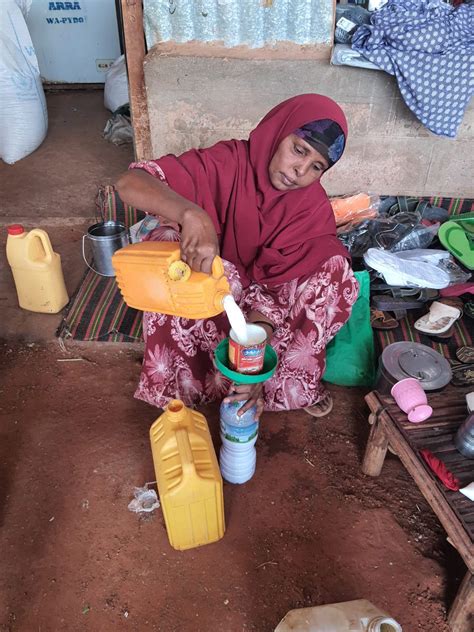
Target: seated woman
x,y
260,205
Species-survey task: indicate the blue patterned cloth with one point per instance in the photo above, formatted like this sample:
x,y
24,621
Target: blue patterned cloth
x,y
428,45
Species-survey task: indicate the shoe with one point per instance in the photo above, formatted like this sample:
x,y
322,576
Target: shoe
x,y
439,319
321,408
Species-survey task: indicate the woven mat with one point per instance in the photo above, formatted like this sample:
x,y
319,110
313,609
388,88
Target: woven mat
x,y
97,311
455,206
463,335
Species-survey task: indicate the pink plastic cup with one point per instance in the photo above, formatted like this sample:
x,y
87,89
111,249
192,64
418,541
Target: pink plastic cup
x,y
411,398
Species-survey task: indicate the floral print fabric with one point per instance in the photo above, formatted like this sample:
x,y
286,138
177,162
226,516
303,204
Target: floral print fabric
x,y
178,360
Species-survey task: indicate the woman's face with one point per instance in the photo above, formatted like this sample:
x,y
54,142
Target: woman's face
x,y
295,164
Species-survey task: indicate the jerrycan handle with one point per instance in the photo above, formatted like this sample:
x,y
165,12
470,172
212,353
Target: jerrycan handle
x,y
184,447
177,411
217,268
37,233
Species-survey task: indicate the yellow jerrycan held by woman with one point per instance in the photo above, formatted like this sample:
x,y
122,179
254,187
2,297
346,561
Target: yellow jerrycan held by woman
x,y
36,270
188,477
152,278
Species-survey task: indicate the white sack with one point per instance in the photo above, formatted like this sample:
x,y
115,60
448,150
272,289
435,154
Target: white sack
x,y
23,113
116,85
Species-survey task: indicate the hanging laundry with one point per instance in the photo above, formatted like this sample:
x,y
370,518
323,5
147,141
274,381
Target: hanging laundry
x,y
428,46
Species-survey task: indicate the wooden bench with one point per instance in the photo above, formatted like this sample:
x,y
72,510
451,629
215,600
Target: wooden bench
x,y
390,427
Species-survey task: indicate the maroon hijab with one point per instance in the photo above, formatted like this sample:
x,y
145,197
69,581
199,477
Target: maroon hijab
x,y
271,236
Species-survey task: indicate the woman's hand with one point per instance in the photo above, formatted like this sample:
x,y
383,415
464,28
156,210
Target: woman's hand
x,y
251,393
199,243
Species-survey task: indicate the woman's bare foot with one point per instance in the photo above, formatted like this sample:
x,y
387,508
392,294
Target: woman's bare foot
x,y
322,408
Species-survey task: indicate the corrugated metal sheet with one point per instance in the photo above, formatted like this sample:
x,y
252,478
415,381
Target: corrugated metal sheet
x,y
253,23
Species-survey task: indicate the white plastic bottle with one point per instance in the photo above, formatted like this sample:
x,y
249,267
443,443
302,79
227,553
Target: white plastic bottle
x,y
36,270
238,457
349,616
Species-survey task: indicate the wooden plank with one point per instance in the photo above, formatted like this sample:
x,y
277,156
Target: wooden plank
x,y
376,449
461,615
446,514
132,15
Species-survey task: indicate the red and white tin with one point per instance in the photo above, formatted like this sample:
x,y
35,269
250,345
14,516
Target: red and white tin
x,y
248,358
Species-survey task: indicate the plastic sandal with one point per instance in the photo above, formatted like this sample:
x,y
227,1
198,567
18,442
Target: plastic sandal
x,y
463,375
419,294
439,319
387,303
456,237
465,354
318,410
382,320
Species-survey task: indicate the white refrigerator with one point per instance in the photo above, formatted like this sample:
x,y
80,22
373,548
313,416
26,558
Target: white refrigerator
x,y
75,41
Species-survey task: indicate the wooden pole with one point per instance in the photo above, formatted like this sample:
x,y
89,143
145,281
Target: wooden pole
x,y
376,449
461,615
132,14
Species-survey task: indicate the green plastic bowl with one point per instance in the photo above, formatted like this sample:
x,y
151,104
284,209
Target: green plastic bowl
x,y
270,362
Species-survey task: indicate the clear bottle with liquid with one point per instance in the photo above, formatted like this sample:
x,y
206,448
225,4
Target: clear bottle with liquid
x,y
36,269
238,457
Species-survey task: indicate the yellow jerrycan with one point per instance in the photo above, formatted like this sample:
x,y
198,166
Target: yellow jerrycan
x,y
188,477
152,278
36,270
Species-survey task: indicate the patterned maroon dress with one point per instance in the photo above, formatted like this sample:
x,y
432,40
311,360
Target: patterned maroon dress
x,y
178,360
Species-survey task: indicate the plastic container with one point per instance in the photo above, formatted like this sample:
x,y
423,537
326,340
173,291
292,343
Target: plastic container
x,y
348,616
188,477
411,398
36,270
228,415
238,456
152,278
238,460
270,363
464,438
248,357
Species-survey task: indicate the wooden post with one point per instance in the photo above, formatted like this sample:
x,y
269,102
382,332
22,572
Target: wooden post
x,y
132,14
376,449
461,615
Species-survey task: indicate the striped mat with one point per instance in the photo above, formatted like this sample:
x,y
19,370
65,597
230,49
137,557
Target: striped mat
x,y
97,311
454,206
463,335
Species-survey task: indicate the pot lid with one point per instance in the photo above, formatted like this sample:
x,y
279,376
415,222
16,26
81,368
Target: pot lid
x,y
412,359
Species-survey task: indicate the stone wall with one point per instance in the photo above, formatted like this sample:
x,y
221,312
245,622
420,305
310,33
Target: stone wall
x,y
196,101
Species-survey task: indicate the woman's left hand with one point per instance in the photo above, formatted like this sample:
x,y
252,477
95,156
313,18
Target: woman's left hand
x,y
251,393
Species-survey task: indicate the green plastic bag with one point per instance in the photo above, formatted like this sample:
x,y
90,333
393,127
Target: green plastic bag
x,y
350,356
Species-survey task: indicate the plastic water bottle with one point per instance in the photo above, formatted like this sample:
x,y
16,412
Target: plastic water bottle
x,y
238,456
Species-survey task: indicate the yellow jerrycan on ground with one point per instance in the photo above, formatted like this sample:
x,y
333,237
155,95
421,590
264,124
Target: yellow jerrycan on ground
x,y
188,477
36,270
152,278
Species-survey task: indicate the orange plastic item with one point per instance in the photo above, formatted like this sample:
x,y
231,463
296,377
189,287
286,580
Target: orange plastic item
x,y
188,477
36,270
150,279
359,206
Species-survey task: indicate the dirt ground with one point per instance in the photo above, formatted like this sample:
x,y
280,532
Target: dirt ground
x,y
308,529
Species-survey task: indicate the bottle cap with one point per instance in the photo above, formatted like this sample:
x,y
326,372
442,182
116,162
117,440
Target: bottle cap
x,y
15,229
179,271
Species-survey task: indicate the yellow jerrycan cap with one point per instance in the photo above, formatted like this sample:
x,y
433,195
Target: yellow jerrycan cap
x,y
179,271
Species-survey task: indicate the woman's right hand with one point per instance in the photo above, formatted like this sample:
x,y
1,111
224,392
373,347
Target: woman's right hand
x,y
199,243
